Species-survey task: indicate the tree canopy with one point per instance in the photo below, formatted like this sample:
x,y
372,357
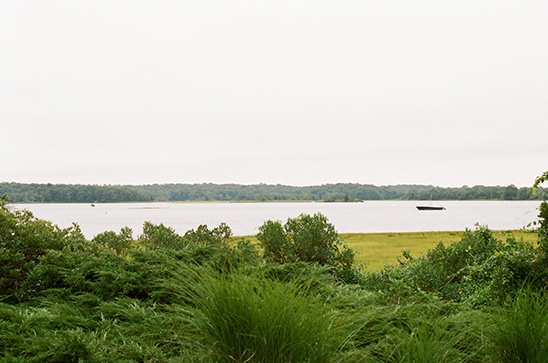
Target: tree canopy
x,y
340,192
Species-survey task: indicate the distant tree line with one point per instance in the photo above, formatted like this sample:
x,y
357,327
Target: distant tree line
x,y
77,193
70,193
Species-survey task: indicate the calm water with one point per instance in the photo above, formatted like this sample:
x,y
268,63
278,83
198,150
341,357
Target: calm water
x,y
244,218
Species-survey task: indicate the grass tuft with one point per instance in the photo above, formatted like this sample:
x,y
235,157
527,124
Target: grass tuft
x,y
522,332
247,318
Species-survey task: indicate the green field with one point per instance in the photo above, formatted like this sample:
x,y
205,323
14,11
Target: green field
x,y
379,249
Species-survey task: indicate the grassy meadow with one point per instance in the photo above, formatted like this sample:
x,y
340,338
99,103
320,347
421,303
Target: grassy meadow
x,y
376,250
379,249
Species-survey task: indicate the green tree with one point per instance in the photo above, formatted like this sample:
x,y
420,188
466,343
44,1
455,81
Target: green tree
x,y
314,239
276,245
510,192
308,239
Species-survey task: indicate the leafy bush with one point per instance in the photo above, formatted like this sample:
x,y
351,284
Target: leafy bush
x,y
542,231
315,240
202,235
541,263
118,242
159,236
478,269
103,274
308,239
276,245
24,240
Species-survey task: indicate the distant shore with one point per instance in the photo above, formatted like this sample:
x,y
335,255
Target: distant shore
x,y
340,192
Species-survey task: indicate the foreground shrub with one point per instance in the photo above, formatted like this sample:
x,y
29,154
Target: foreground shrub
x,y
479,269
157,236
541,262
241,317
103,274
62,330
24,240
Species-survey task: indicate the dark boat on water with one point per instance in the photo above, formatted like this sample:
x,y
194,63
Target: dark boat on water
x,y
430,207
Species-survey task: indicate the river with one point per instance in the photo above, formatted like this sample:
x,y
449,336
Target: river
x,y
245,218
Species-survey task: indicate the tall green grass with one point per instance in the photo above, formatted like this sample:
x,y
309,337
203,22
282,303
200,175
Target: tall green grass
x,y
122,330
449,339
421,331
521,334
426,343
242,317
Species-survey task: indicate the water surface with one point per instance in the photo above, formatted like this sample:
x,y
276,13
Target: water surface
x,y
245,218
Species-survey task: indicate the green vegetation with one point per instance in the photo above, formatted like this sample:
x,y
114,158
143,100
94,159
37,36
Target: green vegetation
x,y
522,334
539,180
310,239
241,317
61,193
206,297
378,249
375,250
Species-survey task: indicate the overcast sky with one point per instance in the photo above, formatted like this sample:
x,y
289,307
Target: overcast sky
x,y
448,93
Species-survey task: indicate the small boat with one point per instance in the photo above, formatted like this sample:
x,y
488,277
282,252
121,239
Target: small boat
x,y
430,207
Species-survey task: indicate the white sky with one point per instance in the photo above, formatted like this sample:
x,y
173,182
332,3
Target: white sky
x,y
380,92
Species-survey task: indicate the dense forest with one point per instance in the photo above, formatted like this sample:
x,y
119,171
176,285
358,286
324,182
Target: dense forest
x,y
77,193
70,193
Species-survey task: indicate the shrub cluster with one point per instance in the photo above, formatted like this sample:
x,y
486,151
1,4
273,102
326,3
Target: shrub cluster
x,y
310,239
479,269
